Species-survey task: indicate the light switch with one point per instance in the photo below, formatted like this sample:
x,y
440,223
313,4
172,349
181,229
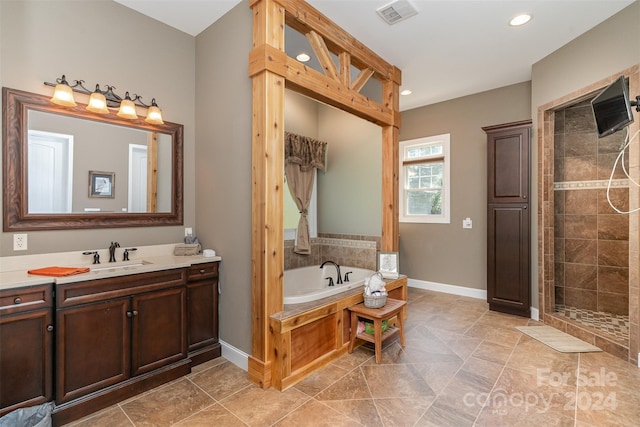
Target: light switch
x,y
467,223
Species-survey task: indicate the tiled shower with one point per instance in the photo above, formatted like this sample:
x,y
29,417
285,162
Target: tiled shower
x,y
591,240
588,266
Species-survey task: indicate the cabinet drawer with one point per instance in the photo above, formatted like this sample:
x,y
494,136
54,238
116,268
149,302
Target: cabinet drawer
x,y
70,294
203,271
25,299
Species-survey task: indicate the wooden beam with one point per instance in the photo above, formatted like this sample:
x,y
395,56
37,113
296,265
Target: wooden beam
x,y
322,53
271,69
303,17
267,178
152,172
345,68
361,79
390,168
316,85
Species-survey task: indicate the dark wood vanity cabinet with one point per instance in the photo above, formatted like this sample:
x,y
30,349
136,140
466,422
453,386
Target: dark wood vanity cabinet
x,y
117,337
104,343
202,301
26,340
508,218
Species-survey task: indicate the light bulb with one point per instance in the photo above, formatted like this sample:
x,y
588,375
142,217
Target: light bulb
x,y
127,110
63,95
97,103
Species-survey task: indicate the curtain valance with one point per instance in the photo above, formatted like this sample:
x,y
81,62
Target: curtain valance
x,y
307,152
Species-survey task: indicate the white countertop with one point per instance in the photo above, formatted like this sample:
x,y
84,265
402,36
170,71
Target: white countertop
x,y
13,270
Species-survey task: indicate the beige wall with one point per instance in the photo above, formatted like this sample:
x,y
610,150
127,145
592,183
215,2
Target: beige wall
x,y
223,164
605,50
141,55
447,253
350,191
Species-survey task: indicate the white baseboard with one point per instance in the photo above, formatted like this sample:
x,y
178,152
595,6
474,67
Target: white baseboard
x,y
448,289
460,290
535,314
235,356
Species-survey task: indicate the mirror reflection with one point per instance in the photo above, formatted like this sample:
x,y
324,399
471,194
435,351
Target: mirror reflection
x,y
69,158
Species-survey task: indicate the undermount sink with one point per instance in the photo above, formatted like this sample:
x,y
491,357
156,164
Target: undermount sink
x,y
132,266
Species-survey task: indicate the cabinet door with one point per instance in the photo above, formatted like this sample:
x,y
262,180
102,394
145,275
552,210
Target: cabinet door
x,y
508,271
202,301
508,165
25,359
159,329
92,347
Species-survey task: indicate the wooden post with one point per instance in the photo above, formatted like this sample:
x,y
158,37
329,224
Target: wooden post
x,y
271,69
267,184
152,172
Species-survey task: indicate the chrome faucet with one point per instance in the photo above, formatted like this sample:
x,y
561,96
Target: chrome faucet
x,y
112,251
339,281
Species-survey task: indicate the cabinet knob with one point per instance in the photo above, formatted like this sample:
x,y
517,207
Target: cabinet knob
x,y
18,300
129,314
524,197
201,271
525,207
50,328
135,312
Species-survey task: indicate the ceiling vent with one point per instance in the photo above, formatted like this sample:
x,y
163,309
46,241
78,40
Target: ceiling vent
x,y
396,11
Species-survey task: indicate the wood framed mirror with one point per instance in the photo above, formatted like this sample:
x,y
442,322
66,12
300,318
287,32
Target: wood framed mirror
x,y
146,188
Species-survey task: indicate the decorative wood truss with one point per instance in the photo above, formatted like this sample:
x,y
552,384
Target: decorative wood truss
x,y
271,71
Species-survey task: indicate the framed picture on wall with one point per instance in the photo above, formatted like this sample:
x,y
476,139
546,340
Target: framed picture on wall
x,y
388,265
102,184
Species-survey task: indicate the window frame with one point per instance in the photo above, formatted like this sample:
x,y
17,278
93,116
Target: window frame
x,y
445,216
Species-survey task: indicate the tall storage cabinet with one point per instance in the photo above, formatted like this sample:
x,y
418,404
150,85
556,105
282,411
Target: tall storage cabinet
x,y
508,218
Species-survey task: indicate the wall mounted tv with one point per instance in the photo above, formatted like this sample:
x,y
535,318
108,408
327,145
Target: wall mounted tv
x,y
611,108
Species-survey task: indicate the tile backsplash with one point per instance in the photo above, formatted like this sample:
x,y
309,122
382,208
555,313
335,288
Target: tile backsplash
x,y
351,250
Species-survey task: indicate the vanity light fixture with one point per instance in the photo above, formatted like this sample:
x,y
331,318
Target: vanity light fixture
x,y
63,94
100,101
154,116
127,108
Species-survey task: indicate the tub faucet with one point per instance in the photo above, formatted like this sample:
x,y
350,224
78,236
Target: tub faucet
x,y
112,251
339,281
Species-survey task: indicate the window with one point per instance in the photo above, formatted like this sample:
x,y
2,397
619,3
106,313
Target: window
x,y
424,180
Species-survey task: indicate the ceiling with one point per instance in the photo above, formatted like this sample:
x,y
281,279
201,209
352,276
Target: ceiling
x,y
450,49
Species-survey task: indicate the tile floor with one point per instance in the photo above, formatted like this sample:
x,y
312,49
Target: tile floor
x,y
462,366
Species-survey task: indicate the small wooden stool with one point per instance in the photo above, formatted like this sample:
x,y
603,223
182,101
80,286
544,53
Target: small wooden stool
x,y
392,308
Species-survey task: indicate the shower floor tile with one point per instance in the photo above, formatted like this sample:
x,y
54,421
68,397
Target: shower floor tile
x,y
612,324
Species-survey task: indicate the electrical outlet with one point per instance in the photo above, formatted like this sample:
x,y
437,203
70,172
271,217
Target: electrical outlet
x,y
19,242
467,223
188,231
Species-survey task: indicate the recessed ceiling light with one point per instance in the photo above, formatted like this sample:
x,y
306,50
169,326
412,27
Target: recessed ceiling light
x,y
521,19
405,92
303,57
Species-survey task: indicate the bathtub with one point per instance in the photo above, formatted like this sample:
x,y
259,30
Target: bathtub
x,y
309,283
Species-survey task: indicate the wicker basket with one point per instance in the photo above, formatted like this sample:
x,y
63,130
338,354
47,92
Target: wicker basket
x,y
375,301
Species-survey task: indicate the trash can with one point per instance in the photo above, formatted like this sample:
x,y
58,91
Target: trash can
x,y
34,416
